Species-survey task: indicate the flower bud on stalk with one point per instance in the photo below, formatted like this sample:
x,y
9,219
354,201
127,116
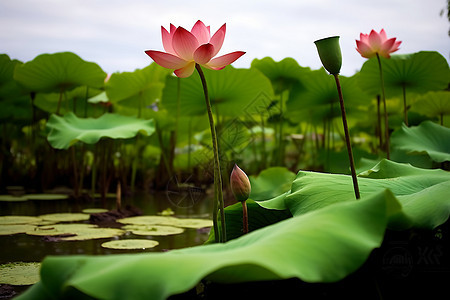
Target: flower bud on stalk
x,y
241,188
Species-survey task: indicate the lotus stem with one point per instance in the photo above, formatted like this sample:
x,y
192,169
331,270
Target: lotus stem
x,y
347,137
405,107
244,217
218,195
386,121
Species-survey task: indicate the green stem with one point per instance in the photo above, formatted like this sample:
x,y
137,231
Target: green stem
x,y
59,101
380,136
244,217
386,121
347,137
405,107
218,197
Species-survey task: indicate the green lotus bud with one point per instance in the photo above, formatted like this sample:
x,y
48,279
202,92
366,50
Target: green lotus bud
x,y
240,185
330,54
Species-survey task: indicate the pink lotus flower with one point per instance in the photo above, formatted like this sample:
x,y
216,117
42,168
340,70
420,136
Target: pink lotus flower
x,y
240,184
373,43
184,49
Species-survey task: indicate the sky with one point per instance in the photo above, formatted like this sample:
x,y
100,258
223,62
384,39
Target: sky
x,y
115,33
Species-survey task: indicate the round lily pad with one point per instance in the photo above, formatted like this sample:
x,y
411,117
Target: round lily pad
x,y
9,220
19,273
130,244
94,210
15,228
194,223
46,196
65,217
157,230
10,198
94,233
149,220
60,229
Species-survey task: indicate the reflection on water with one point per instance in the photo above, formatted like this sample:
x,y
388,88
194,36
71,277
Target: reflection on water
x,y
22,247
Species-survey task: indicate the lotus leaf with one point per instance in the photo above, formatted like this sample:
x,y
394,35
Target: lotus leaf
x,y
428,137
149,220
65,217
66,131
193,223
60,229
59,72
94,233
232,92
94,210
321,246
46,196
10,198
130,244
131,92
15,228
422,193
418,72
20,273
156,230
10,220
433,104
283,74
270,183
320,100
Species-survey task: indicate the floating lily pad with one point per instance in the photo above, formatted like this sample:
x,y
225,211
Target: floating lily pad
x,y
159,230
149,220
46,196
15,228
94,233
20,273
94,210
194,223
60,229
11,198
130,244
9,220
65,217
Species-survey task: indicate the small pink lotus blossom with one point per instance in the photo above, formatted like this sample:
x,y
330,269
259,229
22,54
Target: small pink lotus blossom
x,y
186,48
371,44
240,184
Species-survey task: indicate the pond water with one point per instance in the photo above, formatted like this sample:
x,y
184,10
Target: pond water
x,y
27,248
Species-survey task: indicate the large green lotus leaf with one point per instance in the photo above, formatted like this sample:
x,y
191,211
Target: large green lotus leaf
x,y
232,92
270,183
15,104
322,246
430,138
320,99
433,104
133,91
283,74
59,72
7,67
419,72
66,131
414,188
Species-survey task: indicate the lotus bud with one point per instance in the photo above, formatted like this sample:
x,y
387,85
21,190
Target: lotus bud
x,y
240,185
330,54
